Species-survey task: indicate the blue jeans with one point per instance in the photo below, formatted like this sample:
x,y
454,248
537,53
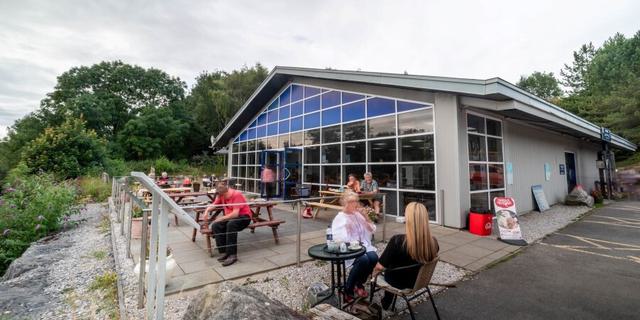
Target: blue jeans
x,y
361,269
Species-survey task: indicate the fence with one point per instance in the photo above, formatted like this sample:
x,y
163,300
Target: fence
x,y
124,198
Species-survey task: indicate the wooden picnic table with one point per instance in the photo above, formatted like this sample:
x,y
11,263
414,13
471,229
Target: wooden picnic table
x,y
177,190
256,221
178,196
330,199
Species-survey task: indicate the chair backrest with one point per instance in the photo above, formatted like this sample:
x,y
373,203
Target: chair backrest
x,y
425,274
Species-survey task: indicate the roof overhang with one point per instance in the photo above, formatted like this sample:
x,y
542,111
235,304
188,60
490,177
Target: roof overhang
x,y
494,93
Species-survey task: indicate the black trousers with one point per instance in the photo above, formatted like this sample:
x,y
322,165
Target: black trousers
x,y
226,234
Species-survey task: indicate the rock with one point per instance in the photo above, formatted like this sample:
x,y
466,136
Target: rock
x,y
325,311
579,197
231,301
40,254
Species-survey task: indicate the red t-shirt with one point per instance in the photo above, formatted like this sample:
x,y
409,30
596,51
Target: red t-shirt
x,y
235,197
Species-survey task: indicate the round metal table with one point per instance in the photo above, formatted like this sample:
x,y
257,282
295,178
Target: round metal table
x,y
338,268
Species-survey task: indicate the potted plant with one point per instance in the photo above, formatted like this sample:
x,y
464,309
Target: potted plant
x,y
480,221
136,222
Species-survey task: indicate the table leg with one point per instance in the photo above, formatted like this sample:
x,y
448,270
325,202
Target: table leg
x,y
195,231
340,285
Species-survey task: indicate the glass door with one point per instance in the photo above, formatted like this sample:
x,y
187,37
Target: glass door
x,y
292,172
271,165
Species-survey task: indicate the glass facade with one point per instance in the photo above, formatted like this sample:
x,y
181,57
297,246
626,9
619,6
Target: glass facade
x,y
341,133
486,166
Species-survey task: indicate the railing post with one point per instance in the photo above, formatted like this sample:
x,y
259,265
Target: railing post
x,y
129,224
384,217
153,253
143,258
298,232
162,260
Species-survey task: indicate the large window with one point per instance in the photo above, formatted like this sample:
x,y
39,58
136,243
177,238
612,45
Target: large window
x,y
342,133
486,166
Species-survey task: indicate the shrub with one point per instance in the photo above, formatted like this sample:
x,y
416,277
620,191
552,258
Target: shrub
x,y
30,208
93,189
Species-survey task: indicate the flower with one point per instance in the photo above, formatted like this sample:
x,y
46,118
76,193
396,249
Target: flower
x,y
6,232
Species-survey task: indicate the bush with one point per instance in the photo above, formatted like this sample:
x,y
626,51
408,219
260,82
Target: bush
x,y
93,189
31,208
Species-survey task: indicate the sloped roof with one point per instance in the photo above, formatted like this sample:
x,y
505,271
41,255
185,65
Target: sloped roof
x,y
493,89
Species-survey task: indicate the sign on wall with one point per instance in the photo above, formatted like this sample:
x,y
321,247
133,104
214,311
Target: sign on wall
x,y
547,171
605,134
540,198
562,169
507,220
509,173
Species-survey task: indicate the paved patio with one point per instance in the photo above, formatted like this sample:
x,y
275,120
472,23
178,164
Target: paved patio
x,y
258,253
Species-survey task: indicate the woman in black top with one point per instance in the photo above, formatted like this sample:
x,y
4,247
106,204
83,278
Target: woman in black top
x,y
415,247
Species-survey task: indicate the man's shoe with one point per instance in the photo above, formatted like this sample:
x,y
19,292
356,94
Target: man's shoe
x,y
230,260
223,257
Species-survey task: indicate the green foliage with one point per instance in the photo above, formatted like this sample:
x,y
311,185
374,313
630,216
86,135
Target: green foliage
x,y
32,207
67,151
93,189
106,285
574,75
542,84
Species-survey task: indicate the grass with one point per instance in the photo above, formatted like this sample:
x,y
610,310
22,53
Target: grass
x,y
93,189
106,285
99,254
105,224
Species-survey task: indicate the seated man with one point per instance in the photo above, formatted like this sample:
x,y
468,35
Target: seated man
x,y
226,227
370,186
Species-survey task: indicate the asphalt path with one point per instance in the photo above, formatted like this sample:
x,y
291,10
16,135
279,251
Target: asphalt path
x,y
588,270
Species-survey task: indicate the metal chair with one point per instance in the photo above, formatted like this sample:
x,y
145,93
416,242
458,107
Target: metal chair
x,y
422,282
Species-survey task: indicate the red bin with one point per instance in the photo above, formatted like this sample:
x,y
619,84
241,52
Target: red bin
x,y
480,223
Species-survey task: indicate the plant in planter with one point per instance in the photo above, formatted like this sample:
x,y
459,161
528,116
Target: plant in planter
x,y
136,222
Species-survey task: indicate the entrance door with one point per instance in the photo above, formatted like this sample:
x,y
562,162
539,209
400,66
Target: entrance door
x,y
292,171
570,162
271,174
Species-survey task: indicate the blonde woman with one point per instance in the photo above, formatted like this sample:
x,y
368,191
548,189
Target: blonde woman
x,y
352,224
414,248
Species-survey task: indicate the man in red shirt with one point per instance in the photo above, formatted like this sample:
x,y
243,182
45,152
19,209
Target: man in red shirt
x,y
226,227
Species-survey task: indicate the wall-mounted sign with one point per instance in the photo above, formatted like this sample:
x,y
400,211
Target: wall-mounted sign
x,y
509,173
507,220
547,172
540,198
562,169
605,134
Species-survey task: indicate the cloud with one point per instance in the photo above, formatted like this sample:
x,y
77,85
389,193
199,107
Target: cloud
x,y
41,39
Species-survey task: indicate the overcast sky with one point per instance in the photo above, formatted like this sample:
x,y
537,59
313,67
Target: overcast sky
x,y
474,39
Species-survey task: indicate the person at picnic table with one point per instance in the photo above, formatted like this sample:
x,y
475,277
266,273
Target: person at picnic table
x,y
353,184
268,178
237,216
414,248
351,224
370,186
164,179
186,182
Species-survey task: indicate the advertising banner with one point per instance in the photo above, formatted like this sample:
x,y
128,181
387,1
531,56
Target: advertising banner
x,y
507,220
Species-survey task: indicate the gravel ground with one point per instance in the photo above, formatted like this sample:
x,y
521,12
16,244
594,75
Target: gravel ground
x,y
536,225
56,274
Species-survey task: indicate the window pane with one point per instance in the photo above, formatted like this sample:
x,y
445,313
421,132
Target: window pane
x,y
493,195
477,177
415,122
385,175
311,91
391,203
242,159
251,134
416,148
331,134
273,105
331,153
296,93
494,147
249,173
262,144
357,170
418,176
251,145
261,131
330,99
251,158
251,185
297,139
382,127
312,104
312,137
380,106
331,116
349,97
427,199
312,155
382,150
283,126
283,141
496,176
284,113
354,152
272,116
475,123
312,120
406,106
494,127
354,131
353,111
297,108
272,142
479,202
272,129
262,119
477,150
242,146
331,175
285,97
296,124
241,172
235,147
234,158
234,171
312,174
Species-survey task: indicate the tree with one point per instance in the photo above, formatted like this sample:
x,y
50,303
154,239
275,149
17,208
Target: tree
x,y
574,75
542,84
67,150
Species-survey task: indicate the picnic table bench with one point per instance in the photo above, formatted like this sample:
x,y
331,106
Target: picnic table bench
x,y
330,199
256,222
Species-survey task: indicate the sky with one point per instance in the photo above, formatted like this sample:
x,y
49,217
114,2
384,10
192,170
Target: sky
x,y
39,40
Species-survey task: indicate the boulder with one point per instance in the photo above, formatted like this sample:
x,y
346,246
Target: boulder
x,y
231,301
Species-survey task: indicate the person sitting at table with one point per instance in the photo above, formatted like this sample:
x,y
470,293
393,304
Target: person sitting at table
x,y
237,216
352,224
186,182
370,186
353,184
415,247
163,181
